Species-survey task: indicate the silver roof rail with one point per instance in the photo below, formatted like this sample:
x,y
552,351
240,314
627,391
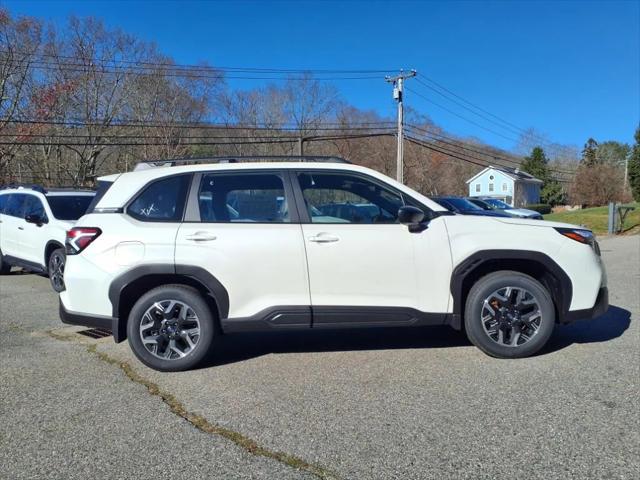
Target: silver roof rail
x,y
237,159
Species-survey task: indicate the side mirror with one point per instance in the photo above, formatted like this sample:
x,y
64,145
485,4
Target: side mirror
x,y
33,218
412,217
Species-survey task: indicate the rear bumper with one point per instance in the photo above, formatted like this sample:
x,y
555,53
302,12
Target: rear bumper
x,y
599,308
93,321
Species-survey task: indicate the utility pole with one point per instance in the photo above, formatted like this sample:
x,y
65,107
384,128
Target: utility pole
x,y
398,89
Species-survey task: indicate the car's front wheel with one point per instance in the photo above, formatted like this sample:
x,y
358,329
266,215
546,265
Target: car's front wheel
x,y
57,261
5,268
171,328
509,315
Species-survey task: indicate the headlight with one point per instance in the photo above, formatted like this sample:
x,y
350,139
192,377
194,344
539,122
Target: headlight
x,y
580,235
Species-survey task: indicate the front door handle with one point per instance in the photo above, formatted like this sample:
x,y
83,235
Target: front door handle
x,y
201,237
20,228
322,238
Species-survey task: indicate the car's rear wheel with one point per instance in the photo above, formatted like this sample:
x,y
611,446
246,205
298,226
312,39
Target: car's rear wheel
x,y
509,315
5,268
57,261
171,328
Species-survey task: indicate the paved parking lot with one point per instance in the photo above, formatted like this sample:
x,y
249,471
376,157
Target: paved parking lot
x,y
415,403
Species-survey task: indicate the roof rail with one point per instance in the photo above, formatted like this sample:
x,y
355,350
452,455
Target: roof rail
x,y
30,186
237,159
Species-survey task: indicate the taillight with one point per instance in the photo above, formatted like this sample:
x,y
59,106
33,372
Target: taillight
x,y
79,238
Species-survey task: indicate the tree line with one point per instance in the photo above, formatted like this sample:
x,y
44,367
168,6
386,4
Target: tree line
x,y
85,100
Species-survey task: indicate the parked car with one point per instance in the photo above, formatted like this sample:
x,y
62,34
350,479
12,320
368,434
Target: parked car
x,y
495,205
465,207
33,225
355,213
148,264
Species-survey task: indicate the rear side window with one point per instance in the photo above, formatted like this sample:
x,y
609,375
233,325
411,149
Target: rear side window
x,y
33,206
162,200
243,198
69,207
15,205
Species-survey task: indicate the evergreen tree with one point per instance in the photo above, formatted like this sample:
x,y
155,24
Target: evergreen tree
x,y
536,164
590,153
634,167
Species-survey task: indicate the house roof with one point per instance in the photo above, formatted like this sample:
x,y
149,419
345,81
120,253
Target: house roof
x,y
514,173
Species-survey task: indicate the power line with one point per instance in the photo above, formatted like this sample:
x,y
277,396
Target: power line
x,y
459,144
507,125
116,123
460,116
467,158
145,64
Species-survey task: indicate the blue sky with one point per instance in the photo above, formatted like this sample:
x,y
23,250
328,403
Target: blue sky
x,y
569,69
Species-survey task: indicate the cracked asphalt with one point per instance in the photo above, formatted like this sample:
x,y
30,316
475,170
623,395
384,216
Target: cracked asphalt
x,y
388,403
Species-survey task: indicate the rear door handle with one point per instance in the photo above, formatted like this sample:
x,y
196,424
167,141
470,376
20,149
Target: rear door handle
x,y
20,228
201,237
322,238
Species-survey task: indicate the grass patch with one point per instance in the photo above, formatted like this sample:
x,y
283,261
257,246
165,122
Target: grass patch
x,y
596,218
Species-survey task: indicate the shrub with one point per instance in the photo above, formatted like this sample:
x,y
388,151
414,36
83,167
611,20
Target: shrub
x,y
542,208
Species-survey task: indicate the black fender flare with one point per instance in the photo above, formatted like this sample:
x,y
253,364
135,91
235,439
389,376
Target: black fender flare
x,y
50,243
562,288
207,281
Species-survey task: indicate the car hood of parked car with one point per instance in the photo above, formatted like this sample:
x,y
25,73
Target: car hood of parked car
x,y
523,212
484,213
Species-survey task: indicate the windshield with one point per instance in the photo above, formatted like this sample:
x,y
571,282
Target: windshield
x,y
69,207
497,204
462,204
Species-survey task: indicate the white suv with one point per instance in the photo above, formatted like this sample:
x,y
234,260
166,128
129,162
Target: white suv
x,y
172,256
33,226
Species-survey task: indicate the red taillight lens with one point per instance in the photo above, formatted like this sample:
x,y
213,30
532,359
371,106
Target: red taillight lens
x,y
79,238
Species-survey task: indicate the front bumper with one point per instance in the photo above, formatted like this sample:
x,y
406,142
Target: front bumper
x,y
599,308
93,321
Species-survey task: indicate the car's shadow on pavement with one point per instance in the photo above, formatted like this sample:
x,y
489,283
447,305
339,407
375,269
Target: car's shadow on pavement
x,y
232,348
238,347
602,329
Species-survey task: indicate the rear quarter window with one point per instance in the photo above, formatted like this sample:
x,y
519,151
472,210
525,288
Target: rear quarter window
x,y
161,201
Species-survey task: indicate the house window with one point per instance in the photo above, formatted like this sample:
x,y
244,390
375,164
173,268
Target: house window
x,y
491,187
504,187
477,188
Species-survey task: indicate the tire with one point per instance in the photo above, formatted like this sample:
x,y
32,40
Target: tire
x,y
166,332
524,315
55,269
5,268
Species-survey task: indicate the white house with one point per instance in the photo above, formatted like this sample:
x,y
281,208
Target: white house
x,y
510,185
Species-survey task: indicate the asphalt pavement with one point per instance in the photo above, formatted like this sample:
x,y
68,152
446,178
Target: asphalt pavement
x,y
374,404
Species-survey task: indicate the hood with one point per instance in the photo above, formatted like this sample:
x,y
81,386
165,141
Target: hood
x,y
522,211
538,223
484,213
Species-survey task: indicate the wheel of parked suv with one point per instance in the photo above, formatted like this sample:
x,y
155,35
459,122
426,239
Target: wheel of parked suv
x,y
5,268
171,328
56,269
509,315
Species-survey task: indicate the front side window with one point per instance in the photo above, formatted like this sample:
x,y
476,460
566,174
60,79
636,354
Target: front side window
x,y
344,198
161,201
69,207
15,205
33,206
243,198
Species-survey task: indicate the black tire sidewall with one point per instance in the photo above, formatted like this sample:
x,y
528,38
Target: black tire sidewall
x,y
5,268
192,298
61,252
482,289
